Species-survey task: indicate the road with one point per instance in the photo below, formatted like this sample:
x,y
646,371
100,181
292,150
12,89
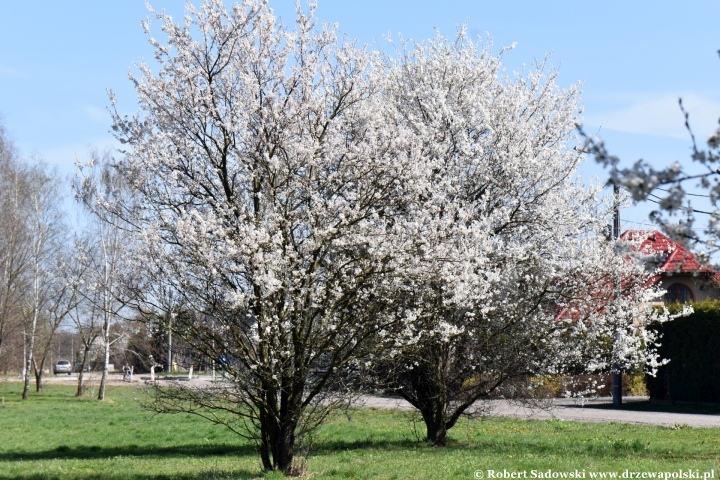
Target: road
x,y
593,410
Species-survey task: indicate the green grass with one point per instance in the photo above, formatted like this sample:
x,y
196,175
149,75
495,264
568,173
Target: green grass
x,y
54,435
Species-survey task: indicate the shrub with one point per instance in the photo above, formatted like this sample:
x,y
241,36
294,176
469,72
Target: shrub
x,y
691,344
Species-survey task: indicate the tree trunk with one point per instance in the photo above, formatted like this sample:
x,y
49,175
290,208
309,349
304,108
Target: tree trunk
x,y
30,361
26,386
265,451
26,380
38,375
429,389
436,423
277,439
106,361
278,446
103,380
80,384
284,448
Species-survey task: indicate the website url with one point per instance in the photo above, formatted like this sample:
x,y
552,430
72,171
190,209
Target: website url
x,y
689,474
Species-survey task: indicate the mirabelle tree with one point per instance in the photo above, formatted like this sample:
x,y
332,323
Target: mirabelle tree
x,y
516,241
268,189
305,203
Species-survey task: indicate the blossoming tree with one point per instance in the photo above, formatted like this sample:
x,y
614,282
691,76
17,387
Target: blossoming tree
x,y
268,188
513,277
306,203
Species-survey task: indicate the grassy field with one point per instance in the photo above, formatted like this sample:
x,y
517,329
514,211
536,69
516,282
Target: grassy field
x,y
54,435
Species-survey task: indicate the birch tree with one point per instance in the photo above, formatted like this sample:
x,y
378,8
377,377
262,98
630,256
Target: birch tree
x,y
45,239
59,300
14,254
33,295
85,314
105,279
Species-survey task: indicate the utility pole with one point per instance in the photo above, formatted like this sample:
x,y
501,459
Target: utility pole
x,y
169,345
617,373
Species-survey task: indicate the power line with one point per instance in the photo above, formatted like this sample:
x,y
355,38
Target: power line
x,y
655,225
694,210
686,193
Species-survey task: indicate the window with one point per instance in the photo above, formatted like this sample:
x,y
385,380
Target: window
x,y
677,292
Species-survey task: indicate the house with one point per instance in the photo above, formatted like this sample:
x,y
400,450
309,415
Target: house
x,y
680,272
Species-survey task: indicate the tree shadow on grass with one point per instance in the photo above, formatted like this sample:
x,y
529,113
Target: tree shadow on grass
x,y
519,444
209,475
90,452
181,452
663,407
328,446
526,444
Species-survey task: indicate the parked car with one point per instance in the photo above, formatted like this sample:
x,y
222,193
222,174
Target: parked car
x,y
63,366
78,366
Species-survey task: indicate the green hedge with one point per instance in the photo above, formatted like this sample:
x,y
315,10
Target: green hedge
x,y
692,344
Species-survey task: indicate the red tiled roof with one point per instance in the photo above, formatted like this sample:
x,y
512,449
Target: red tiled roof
x,y
659,251
670,256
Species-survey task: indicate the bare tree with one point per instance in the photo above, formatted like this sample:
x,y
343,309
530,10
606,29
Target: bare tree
x,y
33,294
61,300
44,223
85,314
14,235
105,278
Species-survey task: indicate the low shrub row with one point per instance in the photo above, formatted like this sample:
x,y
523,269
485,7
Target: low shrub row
x,y
692,345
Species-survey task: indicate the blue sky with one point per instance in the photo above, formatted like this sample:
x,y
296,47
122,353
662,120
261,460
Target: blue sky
x,y
635,58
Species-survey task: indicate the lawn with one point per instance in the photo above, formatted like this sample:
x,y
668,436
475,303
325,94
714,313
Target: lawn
x,y
54,435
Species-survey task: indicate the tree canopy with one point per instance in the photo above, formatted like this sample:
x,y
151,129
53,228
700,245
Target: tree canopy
x,y
312,207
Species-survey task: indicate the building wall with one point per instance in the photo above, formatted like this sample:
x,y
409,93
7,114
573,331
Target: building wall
x,y
700,287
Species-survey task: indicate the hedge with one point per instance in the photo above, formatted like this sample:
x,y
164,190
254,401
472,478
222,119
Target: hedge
x,y
692,344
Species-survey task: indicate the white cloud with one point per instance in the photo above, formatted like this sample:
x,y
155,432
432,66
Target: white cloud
x,y
658,115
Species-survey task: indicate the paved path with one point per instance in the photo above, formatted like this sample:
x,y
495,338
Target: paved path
x,y
562,409
571,410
